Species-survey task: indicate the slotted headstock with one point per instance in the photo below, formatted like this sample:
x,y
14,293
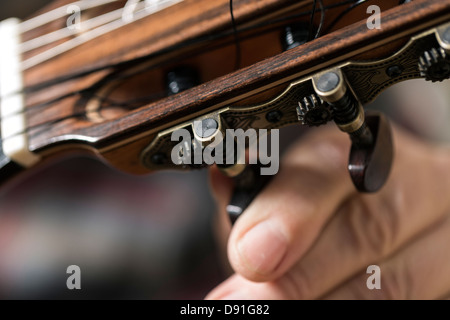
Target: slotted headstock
x,y
104,84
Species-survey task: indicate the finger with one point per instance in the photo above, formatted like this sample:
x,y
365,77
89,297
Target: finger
x,y
239,288
370,227
419,271
221,186
285,219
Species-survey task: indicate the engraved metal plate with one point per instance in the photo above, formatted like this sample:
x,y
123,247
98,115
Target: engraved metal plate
x,y
367,80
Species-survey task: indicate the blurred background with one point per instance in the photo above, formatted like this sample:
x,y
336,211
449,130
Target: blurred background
x,y
133,237
140,237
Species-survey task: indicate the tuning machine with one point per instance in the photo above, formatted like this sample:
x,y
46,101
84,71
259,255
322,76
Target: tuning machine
x,y
209,132
371,153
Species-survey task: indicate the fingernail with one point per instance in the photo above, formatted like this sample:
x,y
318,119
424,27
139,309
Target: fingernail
x,y
263,247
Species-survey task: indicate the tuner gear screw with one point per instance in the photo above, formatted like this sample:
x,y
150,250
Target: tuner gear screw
x,y
159,159
274,116
394,71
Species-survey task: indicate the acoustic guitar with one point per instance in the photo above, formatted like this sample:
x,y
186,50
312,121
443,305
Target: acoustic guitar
x,y
115,78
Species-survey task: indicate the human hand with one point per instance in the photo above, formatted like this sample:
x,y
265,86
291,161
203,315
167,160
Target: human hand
x,y
310,234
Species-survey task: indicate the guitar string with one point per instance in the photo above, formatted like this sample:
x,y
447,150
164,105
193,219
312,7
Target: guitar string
x,y
145,100
311,21
86,25
60,12
42,105
41,86
143,12
63,33
322,19
200,39
236,38
344,13
96,27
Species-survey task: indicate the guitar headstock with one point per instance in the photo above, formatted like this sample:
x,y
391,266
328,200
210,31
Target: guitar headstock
x,y
115,79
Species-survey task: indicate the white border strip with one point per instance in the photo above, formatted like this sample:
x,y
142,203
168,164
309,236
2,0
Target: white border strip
x,y
13,122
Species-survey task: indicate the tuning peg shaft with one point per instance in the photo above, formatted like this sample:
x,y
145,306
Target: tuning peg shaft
x,y
370,164
371,153
248,184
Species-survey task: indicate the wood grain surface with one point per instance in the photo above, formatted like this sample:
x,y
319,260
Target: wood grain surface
x,y
121,135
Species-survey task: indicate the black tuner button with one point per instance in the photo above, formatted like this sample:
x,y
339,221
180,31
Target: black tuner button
x,y
180,79
294,36
370,165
